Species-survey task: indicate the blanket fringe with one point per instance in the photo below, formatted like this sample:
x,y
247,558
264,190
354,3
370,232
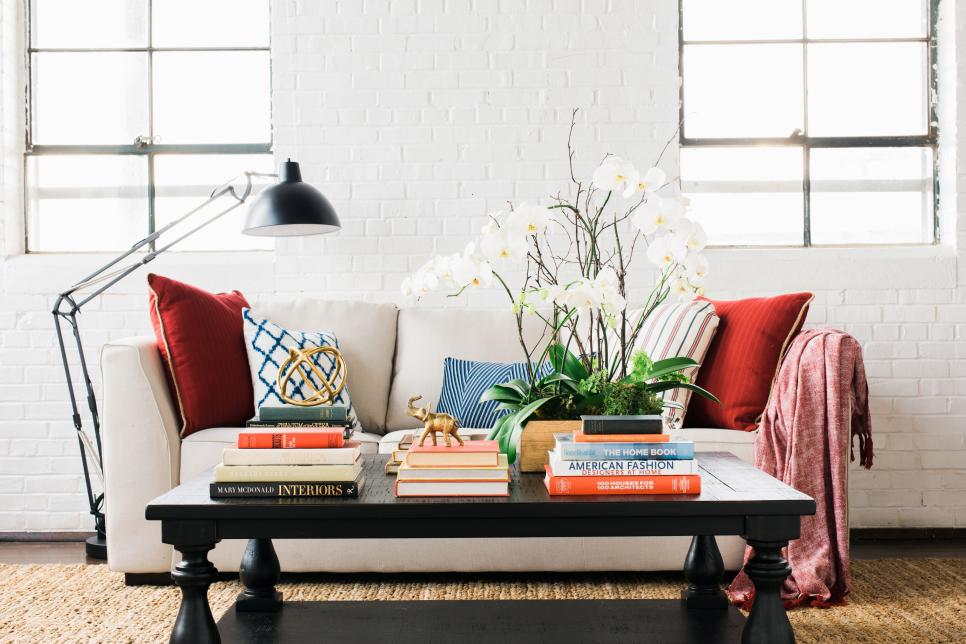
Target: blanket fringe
x,y
802,601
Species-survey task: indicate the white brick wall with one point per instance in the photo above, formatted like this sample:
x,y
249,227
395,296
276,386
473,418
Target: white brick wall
x,y
415,118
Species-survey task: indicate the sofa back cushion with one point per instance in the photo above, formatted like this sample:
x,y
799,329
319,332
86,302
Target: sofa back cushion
x,y
367,340
426,337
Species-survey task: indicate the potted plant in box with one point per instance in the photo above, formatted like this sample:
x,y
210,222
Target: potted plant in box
x,y
569,263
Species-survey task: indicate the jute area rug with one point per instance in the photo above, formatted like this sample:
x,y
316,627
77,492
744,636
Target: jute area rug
x,y
894,600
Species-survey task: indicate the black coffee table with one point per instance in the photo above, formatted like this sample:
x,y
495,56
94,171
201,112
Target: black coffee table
x,y
736,499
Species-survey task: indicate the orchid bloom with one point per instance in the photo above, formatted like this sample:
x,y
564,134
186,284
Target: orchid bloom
x,y
650,182
503,245
529,219
691,233
657,215
614,174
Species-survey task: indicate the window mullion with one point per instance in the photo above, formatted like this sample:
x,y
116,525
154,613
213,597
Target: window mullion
x,y
806,149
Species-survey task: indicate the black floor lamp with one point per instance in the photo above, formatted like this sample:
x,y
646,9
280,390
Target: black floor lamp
x,y
288,208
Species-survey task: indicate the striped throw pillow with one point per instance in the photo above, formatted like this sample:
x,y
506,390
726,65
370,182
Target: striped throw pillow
x,y
676,330
464,381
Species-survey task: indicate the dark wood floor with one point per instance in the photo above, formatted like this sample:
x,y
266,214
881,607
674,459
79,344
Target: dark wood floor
x,y
73,552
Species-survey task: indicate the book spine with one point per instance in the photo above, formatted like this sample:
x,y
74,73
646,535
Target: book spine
x,y
621,438
293,473
621,426
320,424
336,413
282,440
308,489
593,485
343,456
623,468
625,451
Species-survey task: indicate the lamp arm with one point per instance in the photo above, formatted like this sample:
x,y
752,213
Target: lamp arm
x,y
67,306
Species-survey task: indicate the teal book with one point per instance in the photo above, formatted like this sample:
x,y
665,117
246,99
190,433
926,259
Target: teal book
x,y
569,450
291,413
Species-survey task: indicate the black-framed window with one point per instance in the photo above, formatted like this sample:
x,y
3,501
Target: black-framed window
x,y
136,110
809,122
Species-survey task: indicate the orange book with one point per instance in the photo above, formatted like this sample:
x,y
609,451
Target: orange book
x,y
314,439
470,453
580,437
600,485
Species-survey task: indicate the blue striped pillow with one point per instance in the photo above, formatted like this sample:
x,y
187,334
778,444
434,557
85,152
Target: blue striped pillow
x,y
464,381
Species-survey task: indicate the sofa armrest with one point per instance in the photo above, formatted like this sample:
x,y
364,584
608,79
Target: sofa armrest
x,y
142,452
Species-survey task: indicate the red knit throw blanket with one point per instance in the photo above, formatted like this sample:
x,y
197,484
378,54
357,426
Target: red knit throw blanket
x,y
820,394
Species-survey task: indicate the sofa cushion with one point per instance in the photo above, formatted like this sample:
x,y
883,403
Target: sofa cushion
x,y
201,342
744,357
202,451
268,346
367,340
427,336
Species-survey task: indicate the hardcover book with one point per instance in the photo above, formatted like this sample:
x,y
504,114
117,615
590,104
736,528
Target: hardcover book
x,y
343,489
570,450
336,413
580,437
561,467
452,488
321,438
471,453
650,424
346,455
600,485
293,473
322,424
499,472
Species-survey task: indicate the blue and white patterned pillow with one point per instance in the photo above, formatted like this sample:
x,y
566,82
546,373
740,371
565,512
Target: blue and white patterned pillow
x,y
464,381
267,345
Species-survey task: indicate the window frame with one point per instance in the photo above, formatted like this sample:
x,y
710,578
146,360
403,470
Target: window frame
x,y
144,148
928,140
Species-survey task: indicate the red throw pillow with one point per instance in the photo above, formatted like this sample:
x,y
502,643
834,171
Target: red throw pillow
x,y
203,347
744,357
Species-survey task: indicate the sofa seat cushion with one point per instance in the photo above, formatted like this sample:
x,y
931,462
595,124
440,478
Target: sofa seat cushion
x,y
202,451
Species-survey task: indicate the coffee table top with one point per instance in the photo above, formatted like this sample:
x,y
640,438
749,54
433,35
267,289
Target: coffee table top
x,y
729,487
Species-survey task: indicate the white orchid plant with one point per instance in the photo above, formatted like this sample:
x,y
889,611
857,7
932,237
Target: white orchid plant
x,y
571,259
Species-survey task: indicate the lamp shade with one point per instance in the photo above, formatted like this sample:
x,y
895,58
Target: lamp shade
x,y
290,208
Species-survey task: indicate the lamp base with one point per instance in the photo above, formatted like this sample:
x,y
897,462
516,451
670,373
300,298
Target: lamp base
x,y
96,547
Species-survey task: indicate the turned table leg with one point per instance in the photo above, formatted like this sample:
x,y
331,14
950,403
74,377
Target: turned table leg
x,y
704,568
767,569
193,574
259,571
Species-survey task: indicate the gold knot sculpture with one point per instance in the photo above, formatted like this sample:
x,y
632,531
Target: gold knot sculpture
x,y
434,422
320,388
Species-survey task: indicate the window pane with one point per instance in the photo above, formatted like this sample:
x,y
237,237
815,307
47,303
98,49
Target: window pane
x,y
741,19
212,23
86,203
867,89
186,181
212,97
872,196
745,196
106,23
868,18
98,98
742,90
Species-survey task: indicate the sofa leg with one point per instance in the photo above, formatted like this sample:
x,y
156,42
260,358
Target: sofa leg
x,y
147,579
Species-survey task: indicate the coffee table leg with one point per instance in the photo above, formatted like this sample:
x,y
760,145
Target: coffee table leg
x,y
768,622
704,568
259,571
193,574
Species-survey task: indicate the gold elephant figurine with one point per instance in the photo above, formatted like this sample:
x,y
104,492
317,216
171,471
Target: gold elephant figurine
x,y
434,422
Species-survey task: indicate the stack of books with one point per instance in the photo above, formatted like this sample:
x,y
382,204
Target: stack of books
x,y
292,417
476,468
399,454
311,459
596,460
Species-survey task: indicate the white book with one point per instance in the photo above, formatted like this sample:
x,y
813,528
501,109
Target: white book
x,y
452,488
654,467
499,472
330,456
287,473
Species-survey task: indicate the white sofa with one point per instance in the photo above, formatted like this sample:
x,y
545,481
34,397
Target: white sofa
x,y
391,354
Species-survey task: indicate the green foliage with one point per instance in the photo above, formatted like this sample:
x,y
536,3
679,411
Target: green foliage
x,y
629,399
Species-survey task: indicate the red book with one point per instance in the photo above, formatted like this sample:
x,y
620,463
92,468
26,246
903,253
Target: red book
x,y
312,439
470,453
599,485
580,437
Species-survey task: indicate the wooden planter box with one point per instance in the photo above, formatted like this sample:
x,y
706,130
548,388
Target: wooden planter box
x,y
537,440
